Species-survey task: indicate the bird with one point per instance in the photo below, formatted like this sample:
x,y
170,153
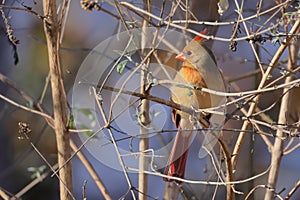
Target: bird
x,y
199,69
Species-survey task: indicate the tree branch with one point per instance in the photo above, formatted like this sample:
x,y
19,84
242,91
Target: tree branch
x,y
277,151
51,28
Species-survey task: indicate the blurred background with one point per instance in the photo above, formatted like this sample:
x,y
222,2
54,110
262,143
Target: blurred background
x,y
84,30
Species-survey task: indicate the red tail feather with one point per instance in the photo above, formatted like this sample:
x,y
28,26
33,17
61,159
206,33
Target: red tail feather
x,y
178,157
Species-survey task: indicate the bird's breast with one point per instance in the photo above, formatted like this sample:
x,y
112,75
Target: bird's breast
x,y
186,96
192,76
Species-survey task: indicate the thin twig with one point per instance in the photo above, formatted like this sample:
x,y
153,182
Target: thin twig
x,y
46,116
3,195
203,182
23,9
130,186
261,90
92,171
253,190
293,190
63,18
208,37
33,183
47,81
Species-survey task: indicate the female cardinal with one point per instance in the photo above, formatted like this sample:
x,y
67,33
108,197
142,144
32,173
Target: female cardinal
x,y
199,69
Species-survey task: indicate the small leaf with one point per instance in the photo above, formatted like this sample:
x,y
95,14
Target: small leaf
x,y
71,122
131,24
89,114
121,66
30,104
155,82
237,105
223,6
284,72
85,111
36,171
149,77
31,169
269,76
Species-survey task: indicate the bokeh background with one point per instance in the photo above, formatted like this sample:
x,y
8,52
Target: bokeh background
x,y
83,31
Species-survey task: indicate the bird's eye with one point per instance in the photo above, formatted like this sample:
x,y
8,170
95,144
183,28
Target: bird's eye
x,y
188,53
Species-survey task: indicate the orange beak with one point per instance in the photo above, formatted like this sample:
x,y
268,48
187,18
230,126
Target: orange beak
x,y
181,56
